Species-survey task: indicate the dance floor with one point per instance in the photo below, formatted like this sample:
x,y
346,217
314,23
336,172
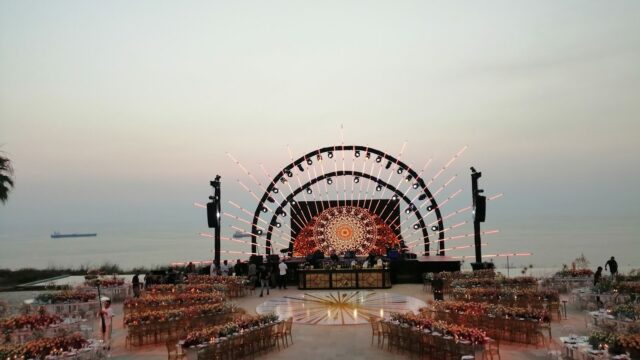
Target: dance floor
x,y
349,307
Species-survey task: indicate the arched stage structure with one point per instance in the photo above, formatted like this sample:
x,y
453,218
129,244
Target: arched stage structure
x,y
269,209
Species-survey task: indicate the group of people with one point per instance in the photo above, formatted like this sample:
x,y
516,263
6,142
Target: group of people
x,y
613,269
258,275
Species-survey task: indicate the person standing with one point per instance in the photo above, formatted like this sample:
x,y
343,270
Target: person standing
x,y
106,322
282,278
135,284
597,276
224,268
213,270
265,276
613,266
252,272
237,268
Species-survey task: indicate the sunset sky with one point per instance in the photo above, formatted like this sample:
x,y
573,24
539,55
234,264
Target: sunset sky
x,y
120,112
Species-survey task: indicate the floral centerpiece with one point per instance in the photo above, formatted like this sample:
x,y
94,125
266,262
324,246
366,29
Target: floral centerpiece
x,y
473,335
107,282
221,331
66,296
167,288
484,309
40,348
39,320
158,316
629,311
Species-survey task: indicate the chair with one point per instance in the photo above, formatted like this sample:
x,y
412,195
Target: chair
x,y
173,352
278,334
287,330
375,329
385,332
492,348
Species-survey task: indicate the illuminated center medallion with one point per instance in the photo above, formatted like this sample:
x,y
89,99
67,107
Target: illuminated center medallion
x,y
345,228
339,307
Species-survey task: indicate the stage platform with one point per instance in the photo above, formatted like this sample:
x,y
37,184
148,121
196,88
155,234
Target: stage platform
x,y
402,270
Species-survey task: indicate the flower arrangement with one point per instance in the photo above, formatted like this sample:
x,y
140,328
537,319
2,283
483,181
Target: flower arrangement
x,y
206,279
39,320
106,282
158,316
630,311
447,275
173,299
481,294
474,335
496,310
566,272
40,348
167,288
215,332
521,281
66,296
630,341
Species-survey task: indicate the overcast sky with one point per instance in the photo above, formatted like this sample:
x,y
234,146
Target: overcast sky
x,y
121,111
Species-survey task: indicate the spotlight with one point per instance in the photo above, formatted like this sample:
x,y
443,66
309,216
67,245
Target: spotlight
x,y
408,178
379,188
270,199
429,208
293,202
394,198
422,197
289,173
319,157
368,155
416,226
300,167
356,179
388,164
400,170
357,153
416,185
329,181
264,209
330,154
259,232
407,211
283,180
379,159
278,224
309,191
434,228
309,161
275,190
283,213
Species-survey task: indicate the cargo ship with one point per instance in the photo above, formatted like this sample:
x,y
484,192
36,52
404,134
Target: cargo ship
x,y
57,235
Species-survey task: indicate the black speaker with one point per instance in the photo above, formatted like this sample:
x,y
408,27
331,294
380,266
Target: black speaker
x,y
212,215
481,208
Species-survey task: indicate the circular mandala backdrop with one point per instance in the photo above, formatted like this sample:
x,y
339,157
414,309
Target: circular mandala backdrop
x,y
345,228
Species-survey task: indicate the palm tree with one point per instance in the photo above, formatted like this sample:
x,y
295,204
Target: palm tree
x,y
6,182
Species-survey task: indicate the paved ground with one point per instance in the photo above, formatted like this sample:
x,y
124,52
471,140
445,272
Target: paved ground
x,y
331,342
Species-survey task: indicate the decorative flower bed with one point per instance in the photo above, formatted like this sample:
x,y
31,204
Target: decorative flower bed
x,y
473,335
67,296
173,299
214,332
40,320
156,316
40,348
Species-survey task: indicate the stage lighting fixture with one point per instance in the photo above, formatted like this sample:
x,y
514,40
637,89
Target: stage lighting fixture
x,y
289,173
270,199
394,198
300,167
283,180
319,157
388,164
259,232
379,188
368,155
408,178
309,161
275,190
283,213
434,228
357,153
429,208
330,154
356,179
407,211
264,209
416,226
278,224
379,159
329,181
293,202
400,170
422,197
309,191
416,185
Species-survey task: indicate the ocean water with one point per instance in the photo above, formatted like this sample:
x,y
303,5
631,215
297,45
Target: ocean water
x,y
558,242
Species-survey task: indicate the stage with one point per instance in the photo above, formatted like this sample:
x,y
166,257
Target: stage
x,y
402,270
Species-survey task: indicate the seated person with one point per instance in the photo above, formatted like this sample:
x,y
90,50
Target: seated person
x,y
334,256
371,259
